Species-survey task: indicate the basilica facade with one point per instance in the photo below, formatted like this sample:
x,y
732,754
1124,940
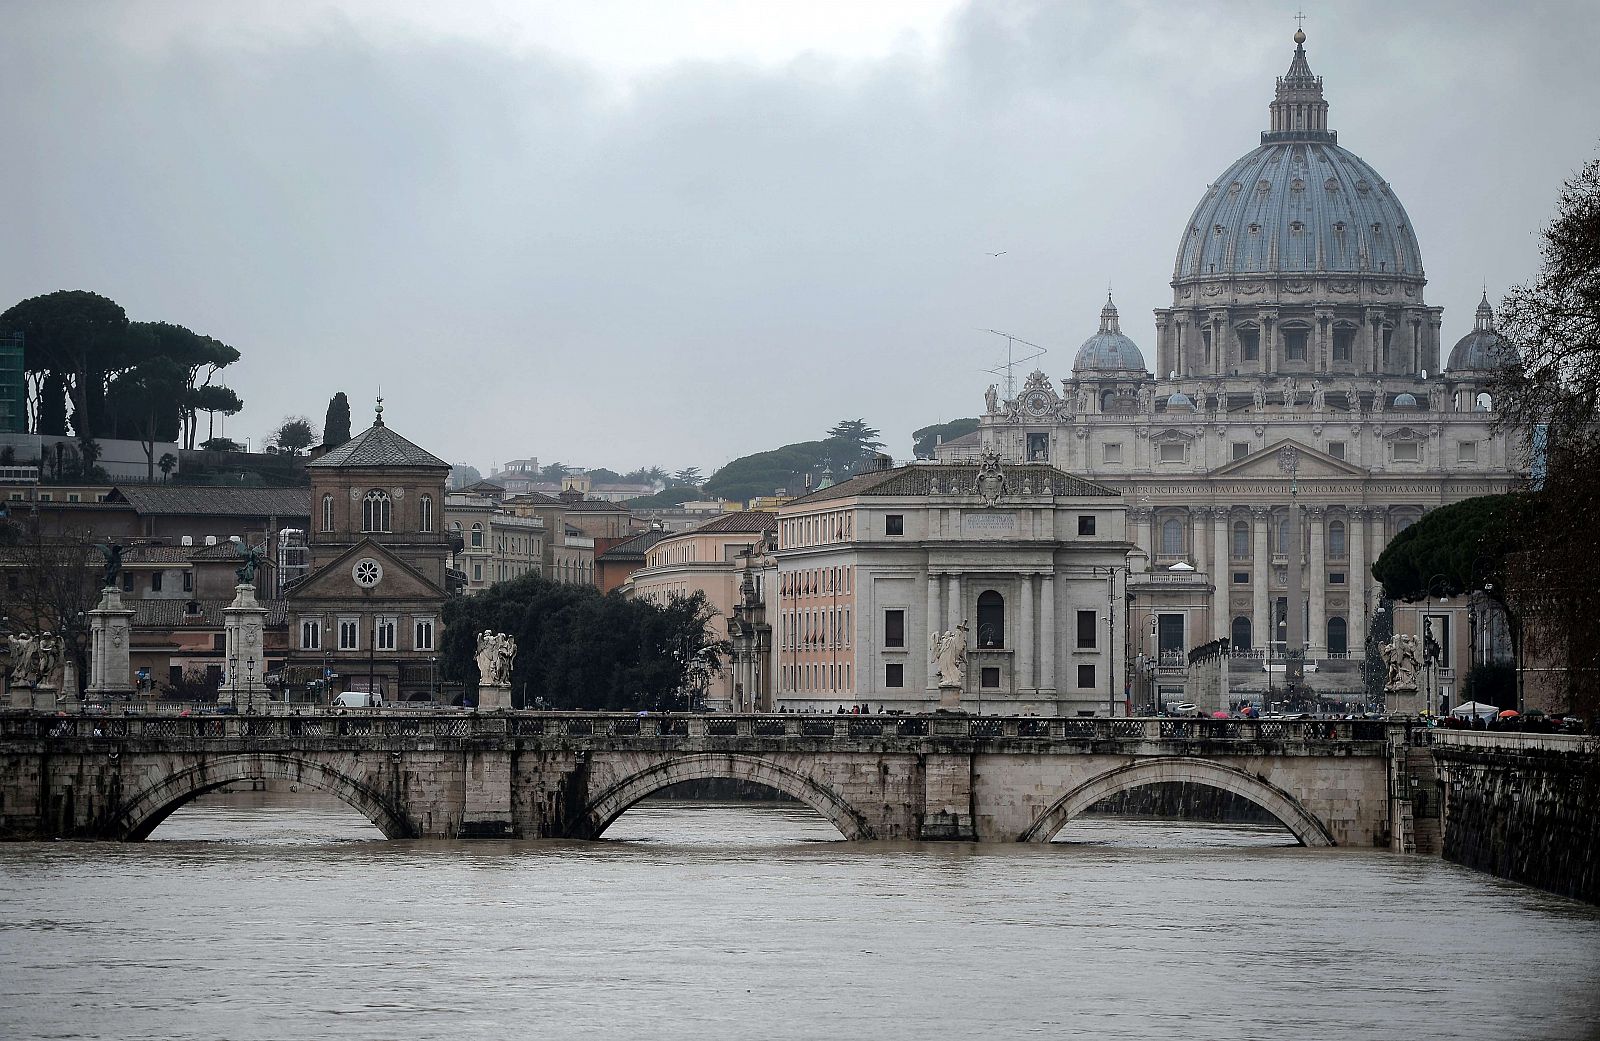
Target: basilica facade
x,y
1298,415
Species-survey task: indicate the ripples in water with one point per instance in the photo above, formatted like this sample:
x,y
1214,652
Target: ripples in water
x,y
265,916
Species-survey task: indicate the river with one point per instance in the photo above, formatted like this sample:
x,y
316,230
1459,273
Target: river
x,y
286,916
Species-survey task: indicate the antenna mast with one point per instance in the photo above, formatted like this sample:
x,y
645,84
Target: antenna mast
x,y
1004,371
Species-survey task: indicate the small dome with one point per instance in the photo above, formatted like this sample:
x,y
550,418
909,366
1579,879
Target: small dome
x,y
1108,349
1180,400
1405,401
1483,349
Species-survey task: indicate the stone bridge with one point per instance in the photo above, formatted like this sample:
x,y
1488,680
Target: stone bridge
x,y
450,774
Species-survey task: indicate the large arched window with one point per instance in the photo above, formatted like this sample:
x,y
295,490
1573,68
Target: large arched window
x,y
991,619
425,509
327,513
1338,639
1171,537
1336,548
376,511
1241,634
1241,540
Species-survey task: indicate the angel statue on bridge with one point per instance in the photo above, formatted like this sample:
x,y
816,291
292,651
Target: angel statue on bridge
x,y
949,652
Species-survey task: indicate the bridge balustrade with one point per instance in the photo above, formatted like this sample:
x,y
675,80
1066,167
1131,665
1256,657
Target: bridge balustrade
x,y
988,728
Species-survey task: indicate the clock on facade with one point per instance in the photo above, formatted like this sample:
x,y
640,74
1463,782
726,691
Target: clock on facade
x,y
1037,402
367,572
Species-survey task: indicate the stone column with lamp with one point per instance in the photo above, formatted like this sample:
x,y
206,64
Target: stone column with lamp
x,y
244,645
110,632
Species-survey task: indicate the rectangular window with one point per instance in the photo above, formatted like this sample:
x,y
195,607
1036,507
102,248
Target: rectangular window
x,y
1406,451
1038,448
155,581
1344,338
894,628
385,632
1086,629
894,675
1086,524
310,636
1173,452
1241,578
422,635
1336,449
1111,453
1336,578
991,678
1294,344
1086,677
1250,344
894,524
1241,449
188,581
349,634
1467,452
1169,635
73,497
127,581
477,571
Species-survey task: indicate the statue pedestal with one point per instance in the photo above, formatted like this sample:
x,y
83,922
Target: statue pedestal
x,y
110,634
493,696
244,651
949,696
41,698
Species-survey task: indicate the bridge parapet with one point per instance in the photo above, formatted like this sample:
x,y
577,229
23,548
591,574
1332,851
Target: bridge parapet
x,y
1037,732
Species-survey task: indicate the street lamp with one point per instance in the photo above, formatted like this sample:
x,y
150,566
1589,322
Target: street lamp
x,y
250,684
433,663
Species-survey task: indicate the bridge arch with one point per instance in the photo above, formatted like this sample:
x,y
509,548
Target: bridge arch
x,y
143,812
610,804
1285,807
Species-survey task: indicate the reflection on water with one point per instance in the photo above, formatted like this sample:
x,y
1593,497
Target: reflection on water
x,y
268,916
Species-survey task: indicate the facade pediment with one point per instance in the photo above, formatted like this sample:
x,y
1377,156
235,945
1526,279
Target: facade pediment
x,y
1312,463
343,578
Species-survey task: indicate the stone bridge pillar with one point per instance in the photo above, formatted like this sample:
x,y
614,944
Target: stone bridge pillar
x,y
109,633
947,798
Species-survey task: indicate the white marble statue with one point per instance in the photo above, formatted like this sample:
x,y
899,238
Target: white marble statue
x,y
949,652
1319,397
991,399
1259,398
496,652
1400,656
34,659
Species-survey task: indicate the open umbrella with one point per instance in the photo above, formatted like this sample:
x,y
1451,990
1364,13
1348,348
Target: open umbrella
x,y
1510,713
1220,715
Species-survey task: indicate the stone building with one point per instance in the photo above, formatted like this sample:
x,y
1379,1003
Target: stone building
x,y
1299,365
708,560
1032,560
369,610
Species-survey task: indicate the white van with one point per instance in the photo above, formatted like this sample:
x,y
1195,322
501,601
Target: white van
x,y
358,699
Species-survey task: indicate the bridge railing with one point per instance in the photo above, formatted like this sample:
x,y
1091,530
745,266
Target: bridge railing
x,y
777,727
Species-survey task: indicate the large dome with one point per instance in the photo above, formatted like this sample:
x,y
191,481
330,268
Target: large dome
x,y
1108,350
1483,349
1298,204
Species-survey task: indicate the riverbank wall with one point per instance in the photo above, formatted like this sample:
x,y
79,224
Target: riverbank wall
x,y
1524,807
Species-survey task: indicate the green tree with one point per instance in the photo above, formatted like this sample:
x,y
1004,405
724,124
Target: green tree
x,y
212,399
168,462
146,401
579,649
856,432
336,426
925,440
688,476
1552,398
71,339
222,444
554,471
294,435
193,353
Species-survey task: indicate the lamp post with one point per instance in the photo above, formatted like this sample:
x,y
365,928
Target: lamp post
x,y
433,692
327,637
250,684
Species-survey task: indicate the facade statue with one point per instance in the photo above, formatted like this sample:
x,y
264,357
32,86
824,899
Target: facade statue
x,y
1290,393
1259,398
991,399
250,560
1436,397
113,554
949,652
1319,397
1147,399
1400,658
496,653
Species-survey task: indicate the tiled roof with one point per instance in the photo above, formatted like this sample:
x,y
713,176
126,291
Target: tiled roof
x,y
157,555
595,506
204,500
377,446
533,499
160,614
634,548
958,479
753,522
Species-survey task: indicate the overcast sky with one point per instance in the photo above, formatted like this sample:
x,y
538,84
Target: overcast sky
x,y
630,233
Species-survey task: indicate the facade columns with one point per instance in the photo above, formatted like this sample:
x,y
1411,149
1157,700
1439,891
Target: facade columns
x,y
1048,637
1025,671
1317,587
1142,534
1264,337
1222,576
954,613
1356,541
935,580
1261,634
